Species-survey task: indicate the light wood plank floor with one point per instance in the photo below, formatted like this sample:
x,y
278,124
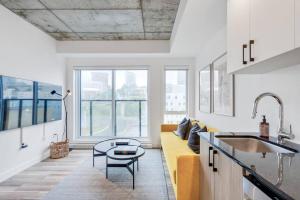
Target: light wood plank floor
x,y
39,179
54,178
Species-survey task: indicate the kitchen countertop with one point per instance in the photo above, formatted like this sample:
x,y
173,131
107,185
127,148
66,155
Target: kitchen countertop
x,y
265,167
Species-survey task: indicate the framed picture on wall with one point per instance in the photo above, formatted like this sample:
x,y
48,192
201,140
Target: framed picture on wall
x,y
205,93
223,87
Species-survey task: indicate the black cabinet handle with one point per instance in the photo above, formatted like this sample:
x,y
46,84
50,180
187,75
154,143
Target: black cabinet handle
x,y
244,47
209,163
250,50
214,153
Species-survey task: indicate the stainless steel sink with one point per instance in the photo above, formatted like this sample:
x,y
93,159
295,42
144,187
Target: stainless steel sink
x,y
253,145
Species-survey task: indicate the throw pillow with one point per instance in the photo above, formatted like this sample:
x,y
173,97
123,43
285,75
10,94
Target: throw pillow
x,y
191,124
183,127
194,138
182,121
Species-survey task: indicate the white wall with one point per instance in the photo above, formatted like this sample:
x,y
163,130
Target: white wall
x,y
26,52
155,84
284,82
195,22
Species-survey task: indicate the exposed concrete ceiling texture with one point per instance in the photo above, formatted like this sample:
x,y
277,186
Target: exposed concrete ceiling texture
x,y
99,19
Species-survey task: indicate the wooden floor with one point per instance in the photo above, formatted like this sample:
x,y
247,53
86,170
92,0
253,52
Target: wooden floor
x,y
74,178
37,181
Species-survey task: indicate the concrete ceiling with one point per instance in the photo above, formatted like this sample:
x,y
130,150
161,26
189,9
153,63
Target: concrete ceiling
x,y
99,19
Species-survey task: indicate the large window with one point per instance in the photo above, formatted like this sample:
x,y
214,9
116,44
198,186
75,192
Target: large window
x,y
96,103
175,95
113,102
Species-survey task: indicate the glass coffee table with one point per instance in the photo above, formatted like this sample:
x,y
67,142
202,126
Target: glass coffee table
x,y
102,147
124,161
106,148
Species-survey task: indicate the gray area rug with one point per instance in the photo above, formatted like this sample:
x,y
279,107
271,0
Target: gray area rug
x,y
88,183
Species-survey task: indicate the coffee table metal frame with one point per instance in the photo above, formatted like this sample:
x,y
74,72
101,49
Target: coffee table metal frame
x,y
130,158
134,158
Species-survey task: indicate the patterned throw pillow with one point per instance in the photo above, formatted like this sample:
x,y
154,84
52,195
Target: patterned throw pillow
x,y
194,138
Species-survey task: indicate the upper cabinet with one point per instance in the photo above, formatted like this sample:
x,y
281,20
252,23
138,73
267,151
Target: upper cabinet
x,y
297,22
259,30
238,14
271,28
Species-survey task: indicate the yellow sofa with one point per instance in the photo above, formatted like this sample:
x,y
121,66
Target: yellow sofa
x,y
183,164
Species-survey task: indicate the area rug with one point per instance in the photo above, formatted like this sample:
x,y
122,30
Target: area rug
x,y
89,183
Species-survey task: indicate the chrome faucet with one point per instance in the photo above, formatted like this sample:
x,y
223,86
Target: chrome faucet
x,y
281,133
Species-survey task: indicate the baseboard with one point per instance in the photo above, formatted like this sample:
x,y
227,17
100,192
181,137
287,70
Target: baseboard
x,y
89,144
15,170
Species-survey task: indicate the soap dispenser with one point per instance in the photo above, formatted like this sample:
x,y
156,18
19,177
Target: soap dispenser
x,y
264,127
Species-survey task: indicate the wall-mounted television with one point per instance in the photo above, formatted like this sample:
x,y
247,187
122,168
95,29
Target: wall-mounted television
x,y
26,103
49,106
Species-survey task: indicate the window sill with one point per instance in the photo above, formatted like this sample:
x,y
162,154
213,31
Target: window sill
x,y
88,143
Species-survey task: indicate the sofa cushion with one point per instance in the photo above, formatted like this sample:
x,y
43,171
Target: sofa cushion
x,y
183,128
194,138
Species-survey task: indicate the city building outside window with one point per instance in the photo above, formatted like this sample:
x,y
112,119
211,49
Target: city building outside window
x,y
175,95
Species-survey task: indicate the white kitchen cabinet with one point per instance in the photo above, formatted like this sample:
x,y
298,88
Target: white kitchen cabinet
x,y
297,23
222,180
267,27
206,190
236,189
271,28
238,14
222,177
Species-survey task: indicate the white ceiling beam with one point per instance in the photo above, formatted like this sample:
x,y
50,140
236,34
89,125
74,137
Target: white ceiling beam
x,y
113,47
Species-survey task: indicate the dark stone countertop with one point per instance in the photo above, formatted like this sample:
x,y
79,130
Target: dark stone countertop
x,y
265,168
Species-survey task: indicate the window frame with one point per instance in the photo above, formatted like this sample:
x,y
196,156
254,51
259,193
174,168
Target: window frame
x,y
77,98
176,68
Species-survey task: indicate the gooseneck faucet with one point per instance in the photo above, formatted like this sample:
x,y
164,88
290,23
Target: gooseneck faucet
x,y
281,133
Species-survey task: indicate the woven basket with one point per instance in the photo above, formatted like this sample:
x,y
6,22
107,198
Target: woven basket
x,y
59,149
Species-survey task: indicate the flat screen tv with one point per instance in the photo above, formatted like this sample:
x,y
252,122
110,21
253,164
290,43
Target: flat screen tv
x,y
26,103
49,106
17,101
